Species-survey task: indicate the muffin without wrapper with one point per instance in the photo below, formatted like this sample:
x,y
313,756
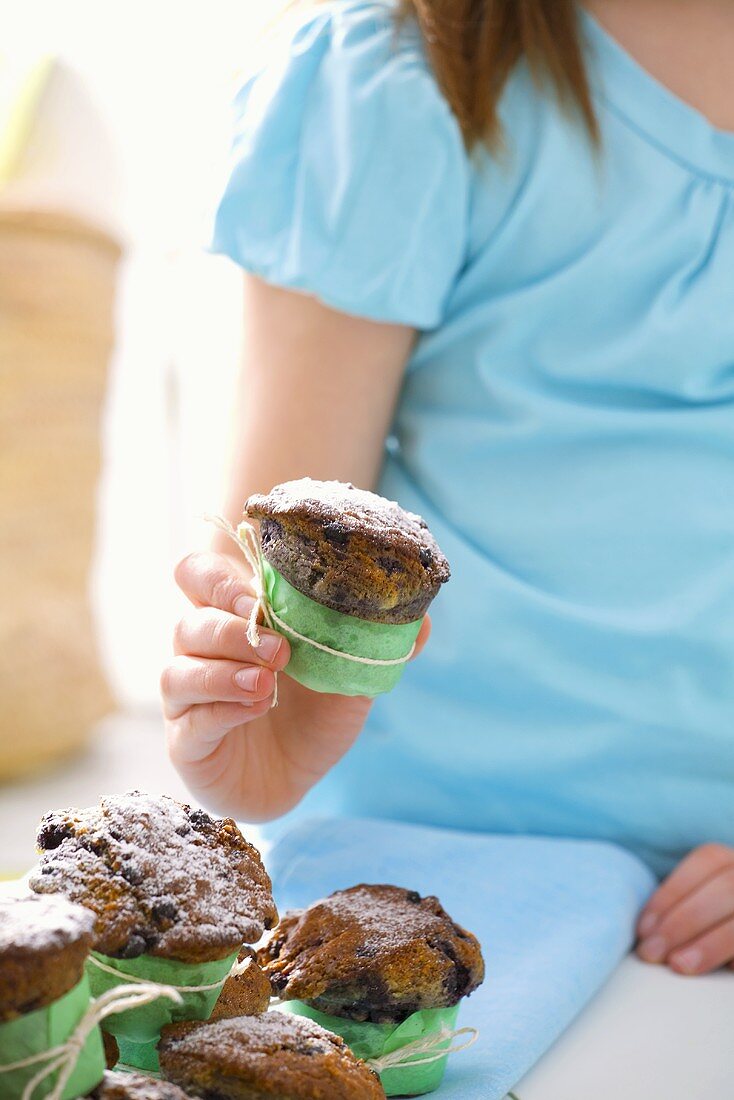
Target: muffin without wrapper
x,y
111,1050
351,571
381,966
269,1057
245,994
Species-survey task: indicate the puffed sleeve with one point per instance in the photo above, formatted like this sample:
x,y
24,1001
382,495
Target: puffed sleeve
x,y
349,178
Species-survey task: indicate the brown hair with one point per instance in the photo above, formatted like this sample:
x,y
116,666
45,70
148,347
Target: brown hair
x,y
474,45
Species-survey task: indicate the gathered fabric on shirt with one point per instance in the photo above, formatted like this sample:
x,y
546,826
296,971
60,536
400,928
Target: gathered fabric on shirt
x,y
566,424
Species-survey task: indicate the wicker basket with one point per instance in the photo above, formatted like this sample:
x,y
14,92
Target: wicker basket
x,y
57,283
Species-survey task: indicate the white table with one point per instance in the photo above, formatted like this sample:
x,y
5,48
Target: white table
x,y
648,1035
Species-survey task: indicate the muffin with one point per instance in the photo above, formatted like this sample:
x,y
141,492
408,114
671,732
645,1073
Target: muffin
x,y
111,1050
44,942
350,550
161,878
269,1057
373,953
135,1086
245,994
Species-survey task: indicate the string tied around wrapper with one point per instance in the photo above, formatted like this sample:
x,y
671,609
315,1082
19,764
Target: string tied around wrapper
x,y
422,1051
62,1059
246,538
238,967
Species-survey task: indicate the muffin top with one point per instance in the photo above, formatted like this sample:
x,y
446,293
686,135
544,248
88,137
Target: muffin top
x,y
162,878
245,994
350,549
33,924
135,1086
276,1056
43,945
374,953
350,510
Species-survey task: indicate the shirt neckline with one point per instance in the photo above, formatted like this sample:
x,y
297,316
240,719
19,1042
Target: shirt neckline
x,y
653,110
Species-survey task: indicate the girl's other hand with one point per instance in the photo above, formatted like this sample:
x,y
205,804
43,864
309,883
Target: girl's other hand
x,y
689,921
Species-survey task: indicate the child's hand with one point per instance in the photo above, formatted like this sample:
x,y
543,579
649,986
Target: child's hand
x,y
689,921
234,752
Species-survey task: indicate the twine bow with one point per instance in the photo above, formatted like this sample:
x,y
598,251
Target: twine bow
x,y
246,538
406,1056
63,1058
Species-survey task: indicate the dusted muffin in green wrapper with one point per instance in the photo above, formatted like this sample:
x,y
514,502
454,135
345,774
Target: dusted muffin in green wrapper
x,y
385,969
46,1029
44,996
371,1042
347,577
175,893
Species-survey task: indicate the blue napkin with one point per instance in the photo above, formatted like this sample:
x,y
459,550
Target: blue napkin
x,y
554,917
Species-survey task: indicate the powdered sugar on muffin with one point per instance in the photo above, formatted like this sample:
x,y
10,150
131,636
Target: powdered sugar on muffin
x,y
162,878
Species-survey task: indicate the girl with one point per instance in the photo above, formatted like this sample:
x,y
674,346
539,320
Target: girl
x,y
490,256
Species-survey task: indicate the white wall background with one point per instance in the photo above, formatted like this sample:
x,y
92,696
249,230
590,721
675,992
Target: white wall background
x,y
161,75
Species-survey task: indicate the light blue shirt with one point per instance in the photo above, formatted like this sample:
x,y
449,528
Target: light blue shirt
x,y
566,424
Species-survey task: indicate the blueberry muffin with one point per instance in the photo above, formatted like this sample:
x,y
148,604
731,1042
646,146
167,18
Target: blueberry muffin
x,y
376,953
44,943
161,878
245,994
271,1057
350,550
135,1086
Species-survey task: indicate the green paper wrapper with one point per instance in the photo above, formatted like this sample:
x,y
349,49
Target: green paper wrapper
x,y
138,1029
45,1029
368,1041
327,672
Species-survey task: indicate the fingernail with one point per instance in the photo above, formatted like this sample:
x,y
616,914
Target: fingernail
x,y
689,960
243,606
647,924
653,950
269,647
247,678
